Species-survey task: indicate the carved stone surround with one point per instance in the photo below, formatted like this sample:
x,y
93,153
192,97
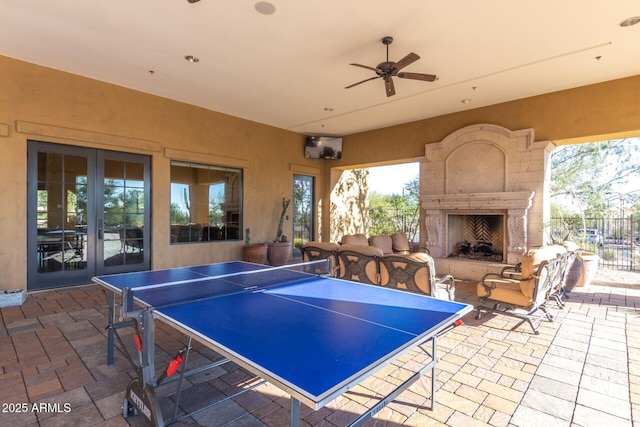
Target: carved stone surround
x,y
514,204
487,169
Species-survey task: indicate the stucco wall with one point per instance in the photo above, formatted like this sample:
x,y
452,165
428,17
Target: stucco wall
x,y
48,105
54,106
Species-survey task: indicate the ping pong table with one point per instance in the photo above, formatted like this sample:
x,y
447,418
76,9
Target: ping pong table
x,y
313,336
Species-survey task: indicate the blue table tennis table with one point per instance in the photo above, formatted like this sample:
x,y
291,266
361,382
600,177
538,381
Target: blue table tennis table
x,y
313,336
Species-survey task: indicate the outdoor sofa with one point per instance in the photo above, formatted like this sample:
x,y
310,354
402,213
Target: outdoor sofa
x,y
382,260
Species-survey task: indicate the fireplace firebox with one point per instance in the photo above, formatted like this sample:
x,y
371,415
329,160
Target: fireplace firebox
x,y
478,237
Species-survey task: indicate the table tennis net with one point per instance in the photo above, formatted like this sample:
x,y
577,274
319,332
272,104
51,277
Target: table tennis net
x,y
174,293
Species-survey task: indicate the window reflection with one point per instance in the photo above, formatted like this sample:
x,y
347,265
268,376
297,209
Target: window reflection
x,y
61,204
206,203
123,188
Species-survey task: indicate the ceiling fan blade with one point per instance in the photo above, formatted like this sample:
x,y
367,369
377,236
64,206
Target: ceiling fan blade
x,y
363,81
365,66
418,76
388,85
409,59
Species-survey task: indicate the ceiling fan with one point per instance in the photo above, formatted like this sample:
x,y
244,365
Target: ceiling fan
x,y
388,69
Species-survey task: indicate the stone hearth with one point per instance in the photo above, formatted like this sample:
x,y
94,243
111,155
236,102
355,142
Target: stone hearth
x,y
485,170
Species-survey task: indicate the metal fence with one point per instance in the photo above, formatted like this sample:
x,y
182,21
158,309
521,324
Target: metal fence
x,y
615,240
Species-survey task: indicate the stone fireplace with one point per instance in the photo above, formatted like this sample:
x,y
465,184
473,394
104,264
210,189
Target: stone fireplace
x,y
484,186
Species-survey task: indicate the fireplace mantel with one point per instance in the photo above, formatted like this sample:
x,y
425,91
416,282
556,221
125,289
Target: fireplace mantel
x,y
514,204
479,201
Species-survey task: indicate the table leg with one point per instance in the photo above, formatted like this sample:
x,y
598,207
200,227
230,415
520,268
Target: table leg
x,y
295,412
148,350
433,373
364,418
110,328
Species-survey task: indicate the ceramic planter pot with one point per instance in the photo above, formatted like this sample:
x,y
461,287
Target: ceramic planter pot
x,y
582,271
279,253
256,253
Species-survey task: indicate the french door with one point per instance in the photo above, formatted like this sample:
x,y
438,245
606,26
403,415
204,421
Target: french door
x,y
88,214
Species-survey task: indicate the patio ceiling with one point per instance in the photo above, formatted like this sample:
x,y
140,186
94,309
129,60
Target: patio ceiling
x,y
289,69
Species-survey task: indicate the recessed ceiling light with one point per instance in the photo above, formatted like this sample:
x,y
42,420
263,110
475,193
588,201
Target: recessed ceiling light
x,y
265,8
328,109
191,58
630,21
466,101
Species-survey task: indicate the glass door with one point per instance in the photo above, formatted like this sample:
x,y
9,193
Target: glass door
x,y
123,214
83,203
303,224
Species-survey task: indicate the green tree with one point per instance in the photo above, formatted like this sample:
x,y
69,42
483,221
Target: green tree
x,y
216,201
586,175
302,209
178,216
389,213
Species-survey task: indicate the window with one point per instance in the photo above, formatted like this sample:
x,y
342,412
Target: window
x,y
303,226
206,203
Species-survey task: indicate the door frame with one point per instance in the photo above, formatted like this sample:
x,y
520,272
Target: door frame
x,y
37,280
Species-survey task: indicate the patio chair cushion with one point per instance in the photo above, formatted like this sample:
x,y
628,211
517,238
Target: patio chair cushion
x,y
383,242
530,263
506,290
355,239
400,243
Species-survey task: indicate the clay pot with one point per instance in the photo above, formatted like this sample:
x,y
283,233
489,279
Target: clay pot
x,y
589,268
279,253
582,271
573,276
256,253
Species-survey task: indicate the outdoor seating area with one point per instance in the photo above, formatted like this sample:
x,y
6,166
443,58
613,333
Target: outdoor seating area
x,y
582,369
385,261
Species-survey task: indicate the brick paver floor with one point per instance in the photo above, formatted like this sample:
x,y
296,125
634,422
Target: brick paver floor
x,y
581,370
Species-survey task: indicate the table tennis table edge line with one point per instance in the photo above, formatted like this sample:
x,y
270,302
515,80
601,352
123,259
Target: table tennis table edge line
x,y
305,397
186,268
219,276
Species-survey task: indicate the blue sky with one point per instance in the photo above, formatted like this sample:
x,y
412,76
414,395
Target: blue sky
x,y
391,179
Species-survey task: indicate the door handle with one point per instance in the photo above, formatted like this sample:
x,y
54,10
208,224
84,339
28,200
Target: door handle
x,y
100,230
